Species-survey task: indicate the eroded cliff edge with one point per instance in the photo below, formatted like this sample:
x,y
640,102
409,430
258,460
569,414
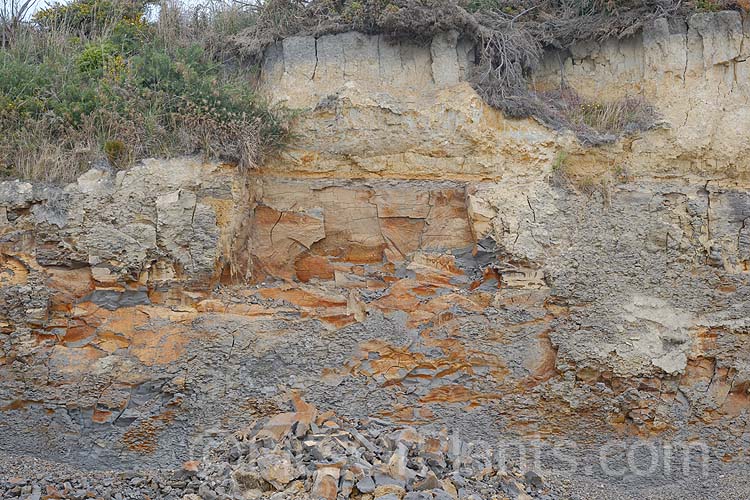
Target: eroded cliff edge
x,y
413,255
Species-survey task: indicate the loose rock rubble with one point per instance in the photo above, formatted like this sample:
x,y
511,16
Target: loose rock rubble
x,y
307,454
36,479
304,454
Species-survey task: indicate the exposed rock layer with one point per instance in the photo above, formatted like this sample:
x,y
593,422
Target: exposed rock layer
x,y
405,110
415,256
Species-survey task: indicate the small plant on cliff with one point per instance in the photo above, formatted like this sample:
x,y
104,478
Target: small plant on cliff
x,y
593,121
561,159
92,79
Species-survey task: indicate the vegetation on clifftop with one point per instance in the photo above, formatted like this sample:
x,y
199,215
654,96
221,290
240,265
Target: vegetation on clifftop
x,y
94,80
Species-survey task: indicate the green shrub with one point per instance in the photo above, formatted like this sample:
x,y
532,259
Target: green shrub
x,y
97,57
90,17
116,152
92,80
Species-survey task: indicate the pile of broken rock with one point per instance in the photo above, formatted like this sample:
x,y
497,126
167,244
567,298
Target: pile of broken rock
x,y
306,454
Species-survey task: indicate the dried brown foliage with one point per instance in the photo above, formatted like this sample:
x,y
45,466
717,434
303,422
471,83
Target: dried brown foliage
x,y
594,122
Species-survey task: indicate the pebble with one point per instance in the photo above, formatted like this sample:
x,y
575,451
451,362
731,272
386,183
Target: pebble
x,y
366,485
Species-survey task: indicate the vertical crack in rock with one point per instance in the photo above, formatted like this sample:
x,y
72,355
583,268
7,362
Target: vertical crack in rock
x,y
315,68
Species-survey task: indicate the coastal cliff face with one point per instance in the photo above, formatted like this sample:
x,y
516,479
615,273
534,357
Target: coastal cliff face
x,y
413,255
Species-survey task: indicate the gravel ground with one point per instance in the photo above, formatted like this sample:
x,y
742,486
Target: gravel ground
x,y
32,476
33,479
731,482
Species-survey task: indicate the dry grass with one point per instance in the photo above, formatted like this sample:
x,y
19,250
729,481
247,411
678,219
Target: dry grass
x,y
594,122
12,15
